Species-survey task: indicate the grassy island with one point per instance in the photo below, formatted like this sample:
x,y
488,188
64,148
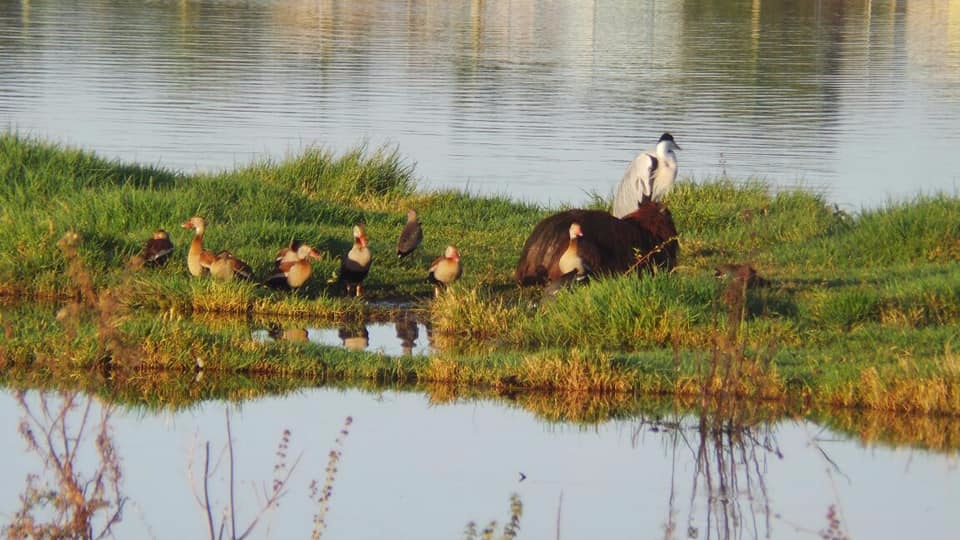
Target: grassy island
x,y
857,310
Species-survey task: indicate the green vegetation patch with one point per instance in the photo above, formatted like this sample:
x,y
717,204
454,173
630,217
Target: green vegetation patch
x,y
856,309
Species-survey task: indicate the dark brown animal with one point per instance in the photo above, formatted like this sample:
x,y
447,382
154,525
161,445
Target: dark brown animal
x,y
643,240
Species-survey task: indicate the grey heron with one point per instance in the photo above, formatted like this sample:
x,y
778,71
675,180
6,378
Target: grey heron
x,y
648,178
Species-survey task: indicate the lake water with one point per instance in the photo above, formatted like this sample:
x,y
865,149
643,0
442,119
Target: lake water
x,y
543,101
414,466
403,336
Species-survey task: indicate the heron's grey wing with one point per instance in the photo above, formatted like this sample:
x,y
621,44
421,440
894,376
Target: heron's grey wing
x,y
653,165
663,181
633,186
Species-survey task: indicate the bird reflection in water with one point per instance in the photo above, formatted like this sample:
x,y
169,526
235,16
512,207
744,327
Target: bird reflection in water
x,y
354,336
279,333
407,331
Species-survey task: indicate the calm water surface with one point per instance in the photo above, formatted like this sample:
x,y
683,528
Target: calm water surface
x,y
415,469
541,101
405,336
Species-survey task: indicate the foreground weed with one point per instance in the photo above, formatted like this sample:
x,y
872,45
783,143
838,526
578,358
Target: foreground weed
x,y
835,529
510,529
320,494
69,503
227,528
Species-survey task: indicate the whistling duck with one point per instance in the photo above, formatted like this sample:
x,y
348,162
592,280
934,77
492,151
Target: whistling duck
x,y
355,265
607,245
158,248
292,266
226,266
648,177
289,253
411,236
570,261
445,270
198,258
570,266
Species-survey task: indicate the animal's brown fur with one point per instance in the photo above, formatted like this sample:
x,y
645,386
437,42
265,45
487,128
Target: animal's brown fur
x,y
608,245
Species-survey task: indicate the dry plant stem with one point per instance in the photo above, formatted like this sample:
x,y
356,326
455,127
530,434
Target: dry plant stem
x,y
206,488
272,497
559,513
641,260
279,490
233,520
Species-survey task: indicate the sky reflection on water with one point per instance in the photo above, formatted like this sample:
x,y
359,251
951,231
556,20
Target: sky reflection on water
x,y
414,469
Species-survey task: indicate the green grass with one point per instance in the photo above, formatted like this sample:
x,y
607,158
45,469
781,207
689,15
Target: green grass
x,y
862,310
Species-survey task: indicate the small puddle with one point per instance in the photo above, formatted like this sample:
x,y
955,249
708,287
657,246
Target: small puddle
x,y
399,338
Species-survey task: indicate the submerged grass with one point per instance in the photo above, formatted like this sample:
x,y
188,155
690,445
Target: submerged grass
x,y
856,310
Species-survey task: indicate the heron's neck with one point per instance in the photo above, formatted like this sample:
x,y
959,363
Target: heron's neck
x,y
665,153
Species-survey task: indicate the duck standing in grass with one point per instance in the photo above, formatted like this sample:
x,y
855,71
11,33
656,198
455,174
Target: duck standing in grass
x,y
226,266
571,263
571,267
292,266
223,266
355,264
648,178
157,249
410,236
198,258
445,270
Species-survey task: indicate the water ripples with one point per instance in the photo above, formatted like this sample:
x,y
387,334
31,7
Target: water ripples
x,y
546,104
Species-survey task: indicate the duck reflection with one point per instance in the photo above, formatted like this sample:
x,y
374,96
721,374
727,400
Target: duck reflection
x,y
294,334
354,336
407,332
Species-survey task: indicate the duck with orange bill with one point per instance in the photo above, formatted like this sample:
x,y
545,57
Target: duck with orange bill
x,y
292,266
199,259
224,265
445,270
355,264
